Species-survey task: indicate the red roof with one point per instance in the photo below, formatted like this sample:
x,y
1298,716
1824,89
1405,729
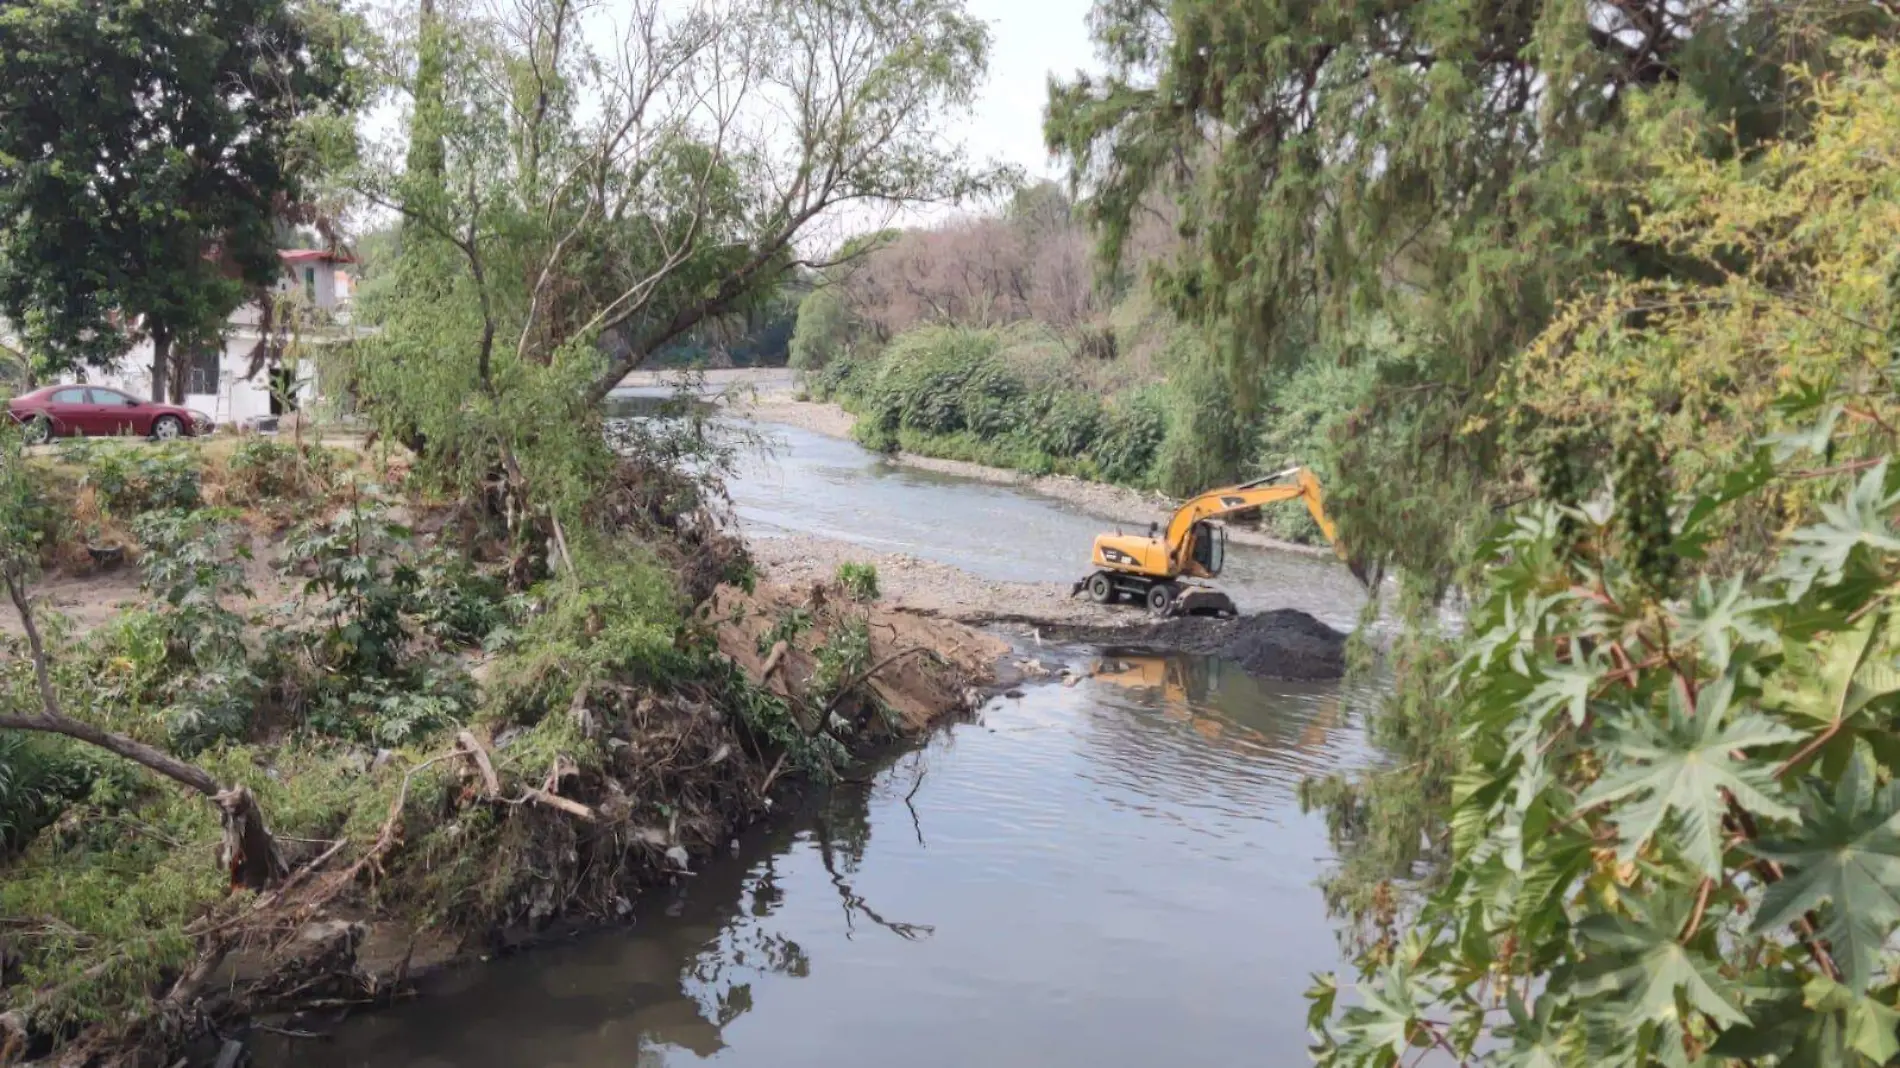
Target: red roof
x,y
312,255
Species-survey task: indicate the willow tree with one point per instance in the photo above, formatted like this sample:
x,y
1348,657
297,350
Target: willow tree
x,y
1449,163
581,188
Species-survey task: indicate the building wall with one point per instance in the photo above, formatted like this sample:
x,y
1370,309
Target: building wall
x,y
238,399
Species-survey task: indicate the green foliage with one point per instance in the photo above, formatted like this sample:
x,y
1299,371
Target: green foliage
x,y
187,657
620,625
1209,440
1353,124
244,82
844,656
135,479
859,581
823,333
1672,837
359,580
263,470
1303,413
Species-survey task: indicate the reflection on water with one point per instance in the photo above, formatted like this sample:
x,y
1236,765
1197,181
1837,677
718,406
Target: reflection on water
x,y
1114,873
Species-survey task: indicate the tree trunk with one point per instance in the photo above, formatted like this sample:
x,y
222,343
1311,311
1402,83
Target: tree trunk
x,y
181,362
161,361
248,851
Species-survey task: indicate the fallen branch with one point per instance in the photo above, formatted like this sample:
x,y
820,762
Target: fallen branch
x,y
824,715
466,742
247,852
572,808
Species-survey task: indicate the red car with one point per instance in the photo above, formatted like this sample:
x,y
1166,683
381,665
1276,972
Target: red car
x,y
95,411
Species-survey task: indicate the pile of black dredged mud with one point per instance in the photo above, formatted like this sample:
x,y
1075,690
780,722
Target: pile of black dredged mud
x,y
1282,644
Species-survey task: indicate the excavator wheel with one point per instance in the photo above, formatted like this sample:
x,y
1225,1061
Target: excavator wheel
x,y
1101,588
1161,598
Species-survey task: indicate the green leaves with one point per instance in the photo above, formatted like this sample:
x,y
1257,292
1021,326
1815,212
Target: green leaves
x,y
1844,852
1688,764
1639,960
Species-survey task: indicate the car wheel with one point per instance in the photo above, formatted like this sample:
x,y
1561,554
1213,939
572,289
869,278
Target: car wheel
x,y
38,430
1101,590
167,428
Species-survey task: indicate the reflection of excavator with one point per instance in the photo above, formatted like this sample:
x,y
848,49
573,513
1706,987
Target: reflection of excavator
x,y
1150,568
1187,687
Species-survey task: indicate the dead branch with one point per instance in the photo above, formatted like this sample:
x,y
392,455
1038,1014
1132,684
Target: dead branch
x,y
477,752
247,852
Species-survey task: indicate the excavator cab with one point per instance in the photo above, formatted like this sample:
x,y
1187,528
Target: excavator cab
x,y
1210,549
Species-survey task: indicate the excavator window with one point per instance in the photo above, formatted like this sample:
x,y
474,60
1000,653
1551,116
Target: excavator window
x,y
1210,546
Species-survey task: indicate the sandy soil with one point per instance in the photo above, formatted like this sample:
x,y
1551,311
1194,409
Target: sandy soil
x,y
928,588
89,601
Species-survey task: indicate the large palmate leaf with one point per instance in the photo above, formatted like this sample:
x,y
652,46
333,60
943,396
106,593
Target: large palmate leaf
x,y
1719,620
1846,850
1683,763
1841,678
1819,554
1640,963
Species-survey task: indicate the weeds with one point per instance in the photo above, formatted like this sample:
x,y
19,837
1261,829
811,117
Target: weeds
x,y
859,581
138,478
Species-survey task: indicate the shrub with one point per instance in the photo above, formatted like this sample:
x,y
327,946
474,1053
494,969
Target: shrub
x,y
1131,434
620,625
193,562
1068,427
137,478
859,581
1208,442
261,469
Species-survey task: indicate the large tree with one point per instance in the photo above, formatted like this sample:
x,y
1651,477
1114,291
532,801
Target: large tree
x,y
581,188
1451,163
145,151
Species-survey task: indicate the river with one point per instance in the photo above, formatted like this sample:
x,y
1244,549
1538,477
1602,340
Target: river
x,y
1115,873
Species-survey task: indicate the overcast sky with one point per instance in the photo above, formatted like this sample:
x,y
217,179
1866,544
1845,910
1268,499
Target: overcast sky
x,y
1030,39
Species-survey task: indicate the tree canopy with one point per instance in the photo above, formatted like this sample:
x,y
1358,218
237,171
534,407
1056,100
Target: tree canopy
x,y
146,153
1674,830
1451,163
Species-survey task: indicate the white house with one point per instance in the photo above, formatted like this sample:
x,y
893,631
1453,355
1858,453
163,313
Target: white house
x,y
241,383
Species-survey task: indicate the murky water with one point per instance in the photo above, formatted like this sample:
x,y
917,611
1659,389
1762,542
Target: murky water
x,y
1112,874
1116,873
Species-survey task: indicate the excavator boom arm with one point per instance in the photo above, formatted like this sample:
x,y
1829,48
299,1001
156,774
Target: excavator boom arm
x,y
1270,490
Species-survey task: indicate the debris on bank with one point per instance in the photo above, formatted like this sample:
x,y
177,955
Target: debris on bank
x,y
813,643
1282,644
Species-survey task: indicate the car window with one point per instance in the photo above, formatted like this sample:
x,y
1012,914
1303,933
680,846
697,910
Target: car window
x,y
70,396
106,396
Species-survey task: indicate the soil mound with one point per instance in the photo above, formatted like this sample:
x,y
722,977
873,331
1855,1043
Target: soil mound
x,y
1282,644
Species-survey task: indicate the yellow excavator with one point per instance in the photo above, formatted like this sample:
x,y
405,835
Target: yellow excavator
x,y
1150,569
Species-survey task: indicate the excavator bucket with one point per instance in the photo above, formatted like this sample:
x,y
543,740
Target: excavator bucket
x,y
1200,601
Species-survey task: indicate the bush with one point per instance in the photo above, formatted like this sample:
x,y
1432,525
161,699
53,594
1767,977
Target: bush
x,y
1304,411
621,625
1131,434
261,469
137,478
207,689
859,581
1208,442
1068,427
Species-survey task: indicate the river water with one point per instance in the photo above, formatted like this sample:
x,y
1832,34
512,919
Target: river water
x,y
1115,873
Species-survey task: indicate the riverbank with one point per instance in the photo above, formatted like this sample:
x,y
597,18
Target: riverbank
x,y
771,396
505,767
